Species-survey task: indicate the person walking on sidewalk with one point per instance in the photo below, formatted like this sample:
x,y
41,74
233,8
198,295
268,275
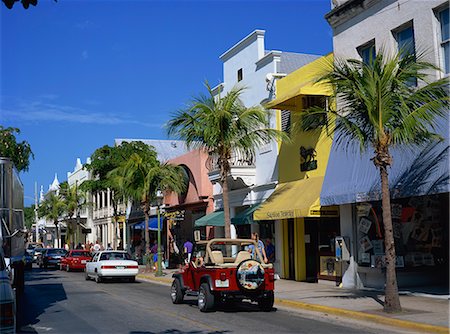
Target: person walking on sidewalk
x,y
188,248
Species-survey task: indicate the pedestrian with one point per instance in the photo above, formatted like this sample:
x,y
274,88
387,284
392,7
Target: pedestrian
x,y
97,247
109,246
260,246
270,250
79,246
188,248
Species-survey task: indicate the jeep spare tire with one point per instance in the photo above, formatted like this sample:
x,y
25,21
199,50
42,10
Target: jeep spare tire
x,y
250,274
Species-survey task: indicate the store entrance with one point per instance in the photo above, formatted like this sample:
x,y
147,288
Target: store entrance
x,y
319,249
291,249
311,247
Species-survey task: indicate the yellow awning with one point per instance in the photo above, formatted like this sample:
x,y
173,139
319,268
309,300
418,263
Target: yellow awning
x,y
283,101
295,199
302,82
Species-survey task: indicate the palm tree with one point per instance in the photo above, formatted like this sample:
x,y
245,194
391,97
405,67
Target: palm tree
x,y
223,126
379,107
106,159
141,177
74,200
52,208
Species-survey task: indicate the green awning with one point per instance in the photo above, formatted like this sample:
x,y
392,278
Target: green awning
x,y
245,217
216,218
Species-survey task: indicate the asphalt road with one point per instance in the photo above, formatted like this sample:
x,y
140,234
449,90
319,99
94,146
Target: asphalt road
x,y
60,302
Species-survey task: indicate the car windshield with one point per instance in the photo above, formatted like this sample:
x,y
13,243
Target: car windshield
x,y
56,252
80,253
115,256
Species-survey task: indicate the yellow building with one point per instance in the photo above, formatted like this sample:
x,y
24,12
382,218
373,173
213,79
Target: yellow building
x,y
307,229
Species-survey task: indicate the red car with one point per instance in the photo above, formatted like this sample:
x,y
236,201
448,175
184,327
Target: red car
x,y
75,259
218,277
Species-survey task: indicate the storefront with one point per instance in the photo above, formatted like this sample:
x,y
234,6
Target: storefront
x,y
306,228
419,189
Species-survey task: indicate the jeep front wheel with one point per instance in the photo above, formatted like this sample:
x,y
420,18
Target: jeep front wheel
x,y
205,298
266,303
176,293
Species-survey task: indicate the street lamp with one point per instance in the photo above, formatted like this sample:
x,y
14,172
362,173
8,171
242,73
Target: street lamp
x,y
159,200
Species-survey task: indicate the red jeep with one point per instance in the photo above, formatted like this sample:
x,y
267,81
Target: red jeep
x,y
215,277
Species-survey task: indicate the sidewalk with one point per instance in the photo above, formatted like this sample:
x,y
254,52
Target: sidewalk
x,y
421,312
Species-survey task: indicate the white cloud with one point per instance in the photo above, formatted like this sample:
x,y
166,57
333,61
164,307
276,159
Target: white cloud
x,y
38,111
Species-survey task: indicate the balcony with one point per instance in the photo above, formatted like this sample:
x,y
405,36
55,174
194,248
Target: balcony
x,y
242,173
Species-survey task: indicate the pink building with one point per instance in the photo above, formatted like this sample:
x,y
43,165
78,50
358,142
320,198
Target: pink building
x,y
183,210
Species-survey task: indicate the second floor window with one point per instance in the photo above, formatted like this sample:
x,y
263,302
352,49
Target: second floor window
x,y
367,52
406,45
445,40
405,40
240,75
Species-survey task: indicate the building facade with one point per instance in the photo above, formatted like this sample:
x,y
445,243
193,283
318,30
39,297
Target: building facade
x,y
248,64
183,210
306,229
418,178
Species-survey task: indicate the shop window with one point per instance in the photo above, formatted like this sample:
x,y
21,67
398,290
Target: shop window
x,y
367,52
421,236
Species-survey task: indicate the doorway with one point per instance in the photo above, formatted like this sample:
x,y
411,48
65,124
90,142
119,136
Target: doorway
x,y
291,249
311,248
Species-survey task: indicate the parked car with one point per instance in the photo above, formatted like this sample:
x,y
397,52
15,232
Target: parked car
x,y
28,261
75,259
111,264
31,246
51,257
217,277
37,252
7,301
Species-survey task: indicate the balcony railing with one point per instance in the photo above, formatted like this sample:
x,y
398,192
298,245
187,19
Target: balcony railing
x,y
242,168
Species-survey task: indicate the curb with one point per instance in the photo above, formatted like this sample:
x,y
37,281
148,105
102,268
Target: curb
x,y
364,316
157,279
421,327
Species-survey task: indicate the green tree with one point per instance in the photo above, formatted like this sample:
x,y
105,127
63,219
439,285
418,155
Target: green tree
x,y
19,153
52,208
223,126
379,107
30,217
104,160
142,176
74,200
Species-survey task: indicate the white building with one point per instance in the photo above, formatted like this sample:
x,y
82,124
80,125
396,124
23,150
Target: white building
x,y
83,218
360,29
253,179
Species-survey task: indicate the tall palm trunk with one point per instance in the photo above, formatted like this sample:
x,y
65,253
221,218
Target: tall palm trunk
x,y
392,300
57,234
224,168
115,225
147,235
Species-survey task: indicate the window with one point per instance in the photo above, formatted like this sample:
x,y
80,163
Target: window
x,y
367,52
445,39
405,40
406,45
240,75
286,121
313,122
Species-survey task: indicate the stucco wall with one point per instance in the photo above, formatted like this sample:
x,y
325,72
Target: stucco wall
x,y
379,21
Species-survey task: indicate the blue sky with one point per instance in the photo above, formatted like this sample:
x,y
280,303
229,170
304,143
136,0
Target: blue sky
x,y
77,74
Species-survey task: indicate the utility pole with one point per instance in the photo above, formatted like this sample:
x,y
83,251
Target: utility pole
x,y
36,211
